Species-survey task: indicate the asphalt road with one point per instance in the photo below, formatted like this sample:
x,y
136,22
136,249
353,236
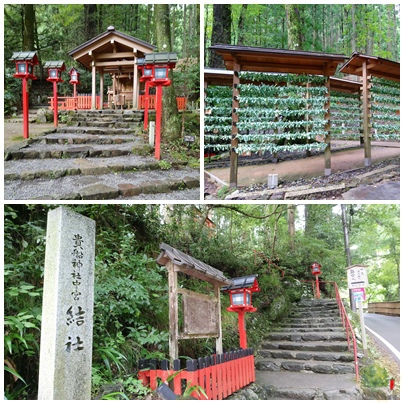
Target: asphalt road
x,y
386,329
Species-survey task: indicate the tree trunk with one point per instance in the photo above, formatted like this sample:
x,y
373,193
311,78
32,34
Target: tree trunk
x,y
291,226
353,39
221,32
29,28
241,21
90,21
294,17
170,125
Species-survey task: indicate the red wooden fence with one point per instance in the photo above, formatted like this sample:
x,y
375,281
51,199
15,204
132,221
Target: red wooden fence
x,y
218,375
181,102
72,103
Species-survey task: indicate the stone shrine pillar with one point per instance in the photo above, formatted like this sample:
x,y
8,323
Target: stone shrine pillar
x,y
67,314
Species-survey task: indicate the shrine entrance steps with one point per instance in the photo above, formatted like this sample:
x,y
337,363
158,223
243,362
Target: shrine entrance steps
x,y
99,155
307,357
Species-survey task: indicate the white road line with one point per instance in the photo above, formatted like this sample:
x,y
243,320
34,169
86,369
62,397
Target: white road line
x,y
391,347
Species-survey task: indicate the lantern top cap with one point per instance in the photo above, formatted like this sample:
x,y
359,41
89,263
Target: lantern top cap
x,y
55,64
243,282
25,56
73,71
161,58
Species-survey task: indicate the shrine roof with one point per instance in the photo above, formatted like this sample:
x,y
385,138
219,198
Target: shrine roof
x,y
278,60
376,66
110,48
191,266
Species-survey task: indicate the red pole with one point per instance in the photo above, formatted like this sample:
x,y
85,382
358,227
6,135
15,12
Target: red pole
x,y
241,330
317,287
74,90
146,105
55,104
25,112
159,96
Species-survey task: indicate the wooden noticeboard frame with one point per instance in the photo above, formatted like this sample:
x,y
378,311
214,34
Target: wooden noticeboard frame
x,y
175,262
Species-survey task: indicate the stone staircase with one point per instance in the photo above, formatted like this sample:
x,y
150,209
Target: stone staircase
x,y
307,356
99,155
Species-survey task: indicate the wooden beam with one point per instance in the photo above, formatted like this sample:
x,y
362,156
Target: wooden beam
x,y
115,63
118,55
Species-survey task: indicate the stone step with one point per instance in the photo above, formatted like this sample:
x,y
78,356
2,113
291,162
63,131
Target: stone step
x,y
308,386
307,355
90,130
59,151
312,320
337,326
323,346
328,367
306,336
307,314
106,124
88,179
80,138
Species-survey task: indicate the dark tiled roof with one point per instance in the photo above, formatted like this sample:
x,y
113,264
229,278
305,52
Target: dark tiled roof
x,y
241,282
184,260
54,64
29,55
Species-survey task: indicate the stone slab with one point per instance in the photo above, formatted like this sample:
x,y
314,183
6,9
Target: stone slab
x,y
99,191
67,315
384,191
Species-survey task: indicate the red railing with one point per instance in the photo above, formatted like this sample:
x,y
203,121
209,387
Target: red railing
x,y
181,102
73,103
218,375
350,334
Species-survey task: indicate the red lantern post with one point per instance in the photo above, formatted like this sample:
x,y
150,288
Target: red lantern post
x,y
55,69
160,64
24,64
241,302
74,79
315,270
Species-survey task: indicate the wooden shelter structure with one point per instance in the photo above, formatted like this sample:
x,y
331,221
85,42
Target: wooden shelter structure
x,y
366,66
202,313
257,59
115,53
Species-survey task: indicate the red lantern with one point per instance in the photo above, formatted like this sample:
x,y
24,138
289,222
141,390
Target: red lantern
x,y
315,268
241,301
74,76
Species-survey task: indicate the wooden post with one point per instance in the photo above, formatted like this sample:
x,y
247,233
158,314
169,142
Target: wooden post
x,y
135,85
172,311
101,90
219,339
93,86
327,117
365,105
234,129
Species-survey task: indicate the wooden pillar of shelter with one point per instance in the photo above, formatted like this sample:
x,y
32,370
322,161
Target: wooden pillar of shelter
x,y
101,90
93,85
234,129
327,127
135,83
366,115
172,310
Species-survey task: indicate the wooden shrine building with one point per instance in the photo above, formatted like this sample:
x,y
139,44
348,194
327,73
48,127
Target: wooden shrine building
x,y
114,53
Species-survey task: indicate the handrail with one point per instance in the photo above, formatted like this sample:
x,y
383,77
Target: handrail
x,y
345,322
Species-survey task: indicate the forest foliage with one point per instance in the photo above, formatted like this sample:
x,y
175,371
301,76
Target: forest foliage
x,y
276,242
372,29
